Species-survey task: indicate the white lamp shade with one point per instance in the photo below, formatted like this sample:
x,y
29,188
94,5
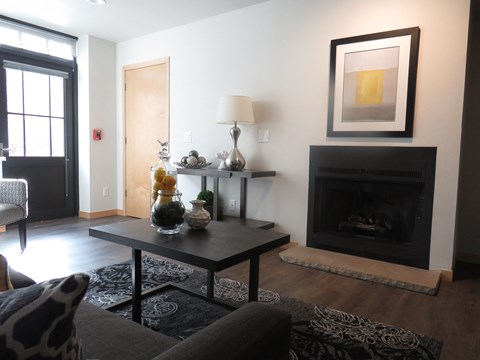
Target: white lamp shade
x,y
233,109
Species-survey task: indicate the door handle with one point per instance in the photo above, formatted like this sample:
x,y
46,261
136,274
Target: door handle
x,y
2,149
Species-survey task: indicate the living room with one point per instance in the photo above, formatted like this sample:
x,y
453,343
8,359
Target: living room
x,y
283,65
278,53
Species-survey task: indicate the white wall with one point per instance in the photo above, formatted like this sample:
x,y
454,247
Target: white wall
x,y
277,52
96,109
83,52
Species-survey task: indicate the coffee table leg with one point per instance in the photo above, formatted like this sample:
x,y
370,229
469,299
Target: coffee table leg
x,y
137,285
253,281
210,283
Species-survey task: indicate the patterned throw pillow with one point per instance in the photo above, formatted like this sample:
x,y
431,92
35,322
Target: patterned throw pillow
x,y
37,322
5,283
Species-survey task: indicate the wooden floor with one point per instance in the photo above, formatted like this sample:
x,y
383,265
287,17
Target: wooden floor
x,y
60,247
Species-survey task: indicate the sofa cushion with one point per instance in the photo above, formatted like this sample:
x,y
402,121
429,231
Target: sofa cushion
x,y
37,322
5,283
107,336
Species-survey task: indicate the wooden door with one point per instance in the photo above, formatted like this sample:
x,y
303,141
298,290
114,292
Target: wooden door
x,y
146,102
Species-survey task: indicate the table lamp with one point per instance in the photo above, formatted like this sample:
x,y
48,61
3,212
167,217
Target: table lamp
x,y
233,110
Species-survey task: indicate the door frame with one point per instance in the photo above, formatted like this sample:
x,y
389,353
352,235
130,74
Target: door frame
x,y
160,61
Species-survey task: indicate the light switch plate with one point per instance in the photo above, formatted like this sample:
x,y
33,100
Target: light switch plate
x,y
187,137
263,136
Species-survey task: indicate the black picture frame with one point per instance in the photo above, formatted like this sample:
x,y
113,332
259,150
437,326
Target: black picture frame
x,y
373,84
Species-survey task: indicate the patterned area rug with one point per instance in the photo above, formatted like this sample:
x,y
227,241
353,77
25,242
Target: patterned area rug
x,y
317,333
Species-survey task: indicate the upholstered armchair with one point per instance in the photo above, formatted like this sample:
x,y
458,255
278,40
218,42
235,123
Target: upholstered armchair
x,y
14,206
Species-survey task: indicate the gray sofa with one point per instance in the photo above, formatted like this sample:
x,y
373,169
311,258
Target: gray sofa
x,y
254,331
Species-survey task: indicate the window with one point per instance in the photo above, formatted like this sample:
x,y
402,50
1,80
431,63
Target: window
x,y
35,110
27,37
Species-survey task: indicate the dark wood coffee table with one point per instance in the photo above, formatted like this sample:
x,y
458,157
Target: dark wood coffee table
x,y
215,248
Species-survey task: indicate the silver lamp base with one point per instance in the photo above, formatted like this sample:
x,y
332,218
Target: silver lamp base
x,y
235,161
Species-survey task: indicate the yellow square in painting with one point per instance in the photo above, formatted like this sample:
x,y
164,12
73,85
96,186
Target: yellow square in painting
x,y
370,87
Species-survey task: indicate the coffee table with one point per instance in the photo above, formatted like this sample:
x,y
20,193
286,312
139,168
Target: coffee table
x,y
215,248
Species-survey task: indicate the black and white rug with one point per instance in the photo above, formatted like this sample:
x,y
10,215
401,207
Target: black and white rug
x,y
317,332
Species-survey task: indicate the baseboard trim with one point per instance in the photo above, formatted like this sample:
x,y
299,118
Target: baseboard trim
x,y
3,228
446,275
100,214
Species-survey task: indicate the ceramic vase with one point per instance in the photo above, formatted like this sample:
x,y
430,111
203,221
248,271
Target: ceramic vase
x,y
198,218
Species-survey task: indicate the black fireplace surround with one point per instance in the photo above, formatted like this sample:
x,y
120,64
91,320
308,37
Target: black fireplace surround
x,y
372,201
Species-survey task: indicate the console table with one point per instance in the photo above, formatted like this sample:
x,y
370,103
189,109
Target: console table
x,y
226,174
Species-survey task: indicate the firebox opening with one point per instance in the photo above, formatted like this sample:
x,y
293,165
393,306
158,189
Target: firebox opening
x,y
384,212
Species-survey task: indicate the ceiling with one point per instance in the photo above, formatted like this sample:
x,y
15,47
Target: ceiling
x,y
117,20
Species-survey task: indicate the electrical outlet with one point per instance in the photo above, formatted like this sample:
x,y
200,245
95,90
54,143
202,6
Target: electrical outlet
x,y
263,136
187,137
106,191
232,205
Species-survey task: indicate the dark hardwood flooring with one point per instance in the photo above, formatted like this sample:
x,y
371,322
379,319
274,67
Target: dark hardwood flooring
x,y
59,247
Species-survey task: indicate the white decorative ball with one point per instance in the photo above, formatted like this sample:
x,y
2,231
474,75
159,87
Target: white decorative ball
x,y
192,160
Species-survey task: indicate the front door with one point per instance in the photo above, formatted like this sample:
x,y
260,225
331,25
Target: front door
x,y
37,125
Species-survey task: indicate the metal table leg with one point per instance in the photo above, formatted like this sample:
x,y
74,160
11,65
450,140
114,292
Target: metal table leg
x,y
253,281
137,285
210,283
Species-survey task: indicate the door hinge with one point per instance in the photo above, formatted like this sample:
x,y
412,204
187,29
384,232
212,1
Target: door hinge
x,y
125,193
125,141
125,87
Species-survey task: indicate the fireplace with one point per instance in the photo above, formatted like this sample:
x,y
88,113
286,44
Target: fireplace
x,y
374,202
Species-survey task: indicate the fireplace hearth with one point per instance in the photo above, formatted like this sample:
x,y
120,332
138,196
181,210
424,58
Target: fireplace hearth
x,y
374,202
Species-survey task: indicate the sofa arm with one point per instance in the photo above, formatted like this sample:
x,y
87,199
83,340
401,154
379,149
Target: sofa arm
x,y
254,331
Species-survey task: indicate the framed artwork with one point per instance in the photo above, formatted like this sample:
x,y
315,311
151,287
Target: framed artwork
x,y
372,84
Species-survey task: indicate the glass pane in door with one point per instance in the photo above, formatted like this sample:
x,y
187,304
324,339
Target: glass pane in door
x,y
15,135
58,130
15,91
37,136
56,96
36,93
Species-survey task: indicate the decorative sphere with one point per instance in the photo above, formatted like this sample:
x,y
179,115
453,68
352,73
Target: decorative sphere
x,y
201,159
184,160
192,160
193,153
